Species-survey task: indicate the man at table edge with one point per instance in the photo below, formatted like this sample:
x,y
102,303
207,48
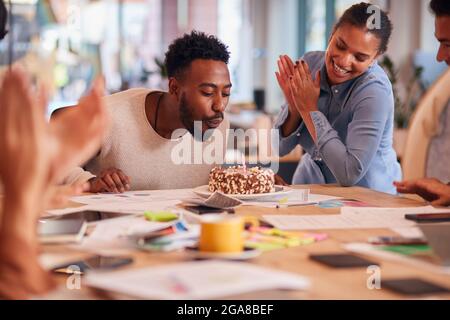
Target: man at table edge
x,y
432,189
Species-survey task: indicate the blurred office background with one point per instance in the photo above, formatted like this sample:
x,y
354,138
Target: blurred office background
x,y
65,43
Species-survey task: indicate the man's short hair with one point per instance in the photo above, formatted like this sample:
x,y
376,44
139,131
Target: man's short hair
x,y
440,7
3,19
193,46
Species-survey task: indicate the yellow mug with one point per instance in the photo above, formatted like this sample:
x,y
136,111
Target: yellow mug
x,y
223,233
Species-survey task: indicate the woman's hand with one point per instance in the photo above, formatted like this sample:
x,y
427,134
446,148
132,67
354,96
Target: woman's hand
x,y
305,90
285,71
305,93
36,154
23,138
110,180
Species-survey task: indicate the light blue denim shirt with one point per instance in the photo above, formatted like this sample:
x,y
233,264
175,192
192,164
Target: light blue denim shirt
x,y
354,128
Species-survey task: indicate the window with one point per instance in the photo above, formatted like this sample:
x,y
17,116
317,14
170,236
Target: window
x,y
315,25
342,5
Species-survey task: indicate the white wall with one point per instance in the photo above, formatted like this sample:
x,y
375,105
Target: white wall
x,y
413,32
428,41
405,15
282,39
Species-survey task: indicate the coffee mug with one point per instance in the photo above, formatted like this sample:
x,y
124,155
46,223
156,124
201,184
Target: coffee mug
x,y
223,233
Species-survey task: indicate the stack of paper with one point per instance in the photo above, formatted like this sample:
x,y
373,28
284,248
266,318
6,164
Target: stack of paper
x,y
136,202
195,280
132,202
114,235
351,218
298,197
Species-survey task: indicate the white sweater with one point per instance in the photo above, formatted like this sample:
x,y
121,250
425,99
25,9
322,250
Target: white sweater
x,y
133,146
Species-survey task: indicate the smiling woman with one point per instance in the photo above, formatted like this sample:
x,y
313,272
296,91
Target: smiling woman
x,y
340,106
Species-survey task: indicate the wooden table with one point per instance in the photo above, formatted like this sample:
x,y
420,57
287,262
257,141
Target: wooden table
x,y
327,283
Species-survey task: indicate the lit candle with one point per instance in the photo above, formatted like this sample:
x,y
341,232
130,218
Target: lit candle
x,y
243,163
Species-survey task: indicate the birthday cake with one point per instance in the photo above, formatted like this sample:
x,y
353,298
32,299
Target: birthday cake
x,y
240,180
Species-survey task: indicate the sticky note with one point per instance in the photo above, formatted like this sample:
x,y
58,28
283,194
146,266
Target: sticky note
x,y
160,216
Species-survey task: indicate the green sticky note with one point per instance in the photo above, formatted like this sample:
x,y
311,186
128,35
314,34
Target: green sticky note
x,y
264,246
408,250
160,216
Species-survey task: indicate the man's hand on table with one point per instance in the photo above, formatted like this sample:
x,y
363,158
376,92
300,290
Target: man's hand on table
x,y
430,189
110,180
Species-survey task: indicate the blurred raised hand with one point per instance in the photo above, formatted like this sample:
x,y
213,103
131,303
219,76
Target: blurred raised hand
x,y
34,156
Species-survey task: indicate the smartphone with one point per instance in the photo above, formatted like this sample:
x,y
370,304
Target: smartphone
x,y
93,263
428,217
413,286
342,260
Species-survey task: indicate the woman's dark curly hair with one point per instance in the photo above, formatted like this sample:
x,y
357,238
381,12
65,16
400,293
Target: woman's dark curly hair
x,y
192,46
3,19
440,7
358,16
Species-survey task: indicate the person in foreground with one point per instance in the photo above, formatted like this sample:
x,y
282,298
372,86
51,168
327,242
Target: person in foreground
x,y
34,156
432,189
340,107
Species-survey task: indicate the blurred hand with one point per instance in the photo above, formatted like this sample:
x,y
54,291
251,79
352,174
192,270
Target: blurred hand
x,y
110,180
24,141
80,130
430,189
58,196
34,155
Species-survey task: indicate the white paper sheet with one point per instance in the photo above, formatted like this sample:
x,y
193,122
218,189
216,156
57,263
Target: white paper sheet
x,y
134,197
124,227
136,202
296,199
134,207
351,218
397,212
195,280
130,207
64,211
409,232
112,234
132,202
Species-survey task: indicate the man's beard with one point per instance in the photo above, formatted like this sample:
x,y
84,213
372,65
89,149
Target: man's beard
x,y
195,126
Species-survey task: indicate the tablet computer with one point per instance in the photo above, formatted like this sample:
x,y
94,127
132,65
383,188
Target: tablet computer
x,y
61,231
